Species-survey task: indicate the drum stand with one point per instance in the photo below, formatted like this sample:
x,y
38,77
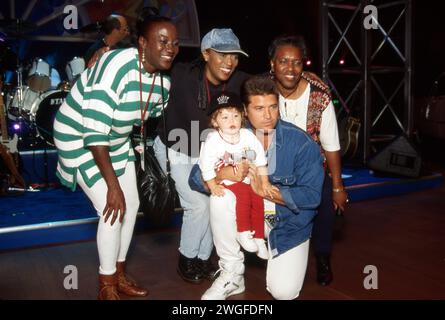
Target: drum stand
x,y
20,97
20,88
22,120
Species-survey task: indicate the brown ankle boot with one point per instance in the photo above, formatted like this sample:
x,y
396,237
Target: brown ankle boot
x,y
126,285
108,287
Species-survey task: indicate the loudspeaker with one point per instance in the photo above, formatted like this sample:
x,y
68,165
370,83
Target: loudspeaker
x,y
398,157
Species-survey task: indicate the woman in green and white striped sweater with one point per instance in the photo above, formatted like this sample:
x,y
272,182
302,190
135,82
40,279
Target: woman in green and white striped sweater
x,y
92,135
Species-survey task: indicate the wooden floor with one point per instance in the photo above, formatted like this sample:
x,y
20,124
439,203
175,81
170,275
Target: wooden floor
x,y
402,236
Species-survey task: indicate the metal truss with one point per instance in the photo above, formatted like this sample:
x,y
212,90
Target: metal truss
x,y
378,66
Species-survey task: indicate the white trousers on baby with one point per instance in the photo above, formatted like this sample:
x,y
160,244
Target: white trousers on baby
x,y
114,240
285,273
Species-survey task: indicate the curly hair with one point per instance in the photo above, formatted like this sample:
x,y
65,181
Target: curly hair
x,y
287,40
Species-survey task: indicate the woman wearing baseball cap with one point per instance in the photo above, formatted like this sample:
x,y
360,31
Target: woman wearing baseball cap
x,y
193,86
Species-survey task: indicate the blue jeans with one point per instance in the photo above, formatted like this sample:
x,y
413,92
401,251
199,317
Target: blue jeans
x,y
196,235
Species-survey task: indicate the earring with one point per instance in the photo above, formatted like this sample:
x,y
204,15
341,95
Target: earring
x,y
271,74
143,55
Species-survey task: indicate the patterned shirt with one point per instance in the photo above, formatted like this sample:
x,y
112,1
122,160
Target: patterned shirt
x,y
296,111
101,110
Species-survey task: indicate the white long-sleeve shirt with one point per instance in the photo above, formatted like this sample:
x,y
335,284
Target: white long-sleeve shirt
x,y
296,110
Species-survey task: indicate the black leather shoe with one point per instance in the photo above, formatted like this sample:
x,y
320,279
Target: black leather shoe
x,y
208,269
189,270
324,271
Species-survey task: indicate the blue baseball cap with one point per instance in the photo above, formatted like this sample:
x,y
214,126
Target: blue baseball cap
x,y
222,40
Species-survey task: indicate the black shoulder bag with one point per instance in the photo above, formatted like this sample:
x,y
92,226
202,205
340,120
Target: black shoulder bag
x,y
157,193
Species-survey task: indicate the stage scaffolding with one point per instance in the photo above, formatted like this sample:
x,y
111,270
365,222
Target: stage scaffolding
x,y
370,70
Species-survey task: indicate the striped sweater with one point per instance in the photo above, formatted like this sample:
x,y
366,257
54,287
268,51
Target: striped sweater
x,y
101,110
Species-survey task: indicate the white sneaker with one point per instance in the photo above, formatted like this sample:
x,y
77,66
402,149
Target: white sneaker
x,y
262,252
226,285
246,241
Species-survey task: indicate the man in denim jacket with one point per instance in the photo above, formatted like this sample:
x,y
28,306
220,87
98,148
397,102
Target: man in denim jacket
x,y
296,170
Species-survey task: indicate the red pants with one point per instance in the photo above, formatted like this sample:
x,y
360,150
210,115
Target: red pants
x,y
249,209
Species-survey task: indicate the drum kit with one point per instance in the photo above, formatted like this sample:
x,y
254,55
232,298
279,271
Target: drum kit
x,y
35,101
35,95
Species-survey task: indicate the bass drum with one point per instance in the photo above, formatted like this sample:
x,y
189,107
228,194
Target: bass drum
x,y
44,112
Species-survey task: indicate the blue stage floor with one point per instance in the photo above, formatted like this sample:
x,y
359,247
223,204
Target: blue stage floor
x,y
59,215
363,184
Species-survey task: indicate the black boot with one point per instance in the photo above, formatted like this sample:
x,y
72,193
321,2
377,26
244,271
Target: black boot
x,y
208,269
189,270
324,271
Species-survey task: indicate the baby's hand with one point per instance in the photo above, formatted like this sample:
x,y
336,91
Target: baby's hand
x,y
217,190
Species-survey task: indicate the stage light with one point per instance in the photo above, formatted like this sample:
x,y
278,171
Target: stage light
x,y
308,63
16,127
341,62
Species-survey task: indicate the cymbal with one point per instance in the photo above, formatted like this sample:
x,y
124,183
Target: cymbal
x,y
92,27
16,26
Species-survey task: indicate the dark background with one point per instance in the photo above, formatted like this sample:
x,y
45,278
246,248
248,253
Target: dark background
x,y
257,22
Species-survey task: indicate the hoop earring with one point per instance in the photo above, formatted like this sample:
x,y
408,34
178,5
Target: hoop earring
x,y
272,74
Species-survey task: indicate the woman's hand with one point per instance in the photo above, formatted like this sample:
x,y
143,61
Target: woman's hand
x,y
115,205
340,199
115,197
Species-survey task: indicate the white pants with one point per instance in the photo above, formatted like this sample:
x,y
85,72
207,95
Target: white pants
x,y
285,273
114,240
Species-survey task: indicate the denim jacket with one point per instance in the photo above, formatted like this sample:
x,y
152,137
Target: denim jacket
x,y
296,168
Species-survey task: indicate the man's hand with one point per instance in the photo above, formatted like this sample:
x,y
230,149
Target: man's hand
x,y
243,171
227,173
255,181
268,189
115,205
260,184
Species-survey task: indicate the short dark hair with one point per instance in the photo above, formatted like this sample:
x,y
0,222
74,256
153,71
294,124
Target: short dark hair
x,y
215,114
112,22
296,41
148,17
258,85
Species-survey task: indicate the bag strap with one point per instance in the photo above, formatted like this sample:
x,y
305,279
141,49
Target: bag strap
x,y
164,125
144,135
